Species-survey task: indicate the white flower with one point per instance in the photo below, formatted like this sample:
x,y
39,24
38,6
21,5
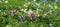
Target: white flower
x,y
29,12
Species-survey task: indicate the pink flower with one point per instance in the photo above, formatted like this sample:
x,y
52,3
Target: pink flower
x,y
13,12
32,15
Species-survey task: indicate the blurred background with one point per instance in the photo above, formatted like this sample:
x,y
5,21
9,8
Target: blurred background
x,y
29,13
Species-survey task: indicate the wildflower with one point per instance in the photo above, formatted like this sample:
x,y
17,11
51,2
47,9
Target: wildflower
x,y
23,19
29,12
32,15
35,19
13,12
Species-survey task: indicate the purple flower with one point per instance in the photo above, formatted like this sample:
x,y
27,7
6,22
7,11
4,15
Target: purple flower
x,y
23,19
12,13
35,19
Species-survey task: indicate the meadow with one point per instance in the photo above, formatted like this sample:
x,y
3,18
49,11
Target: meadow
x,y
29,13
